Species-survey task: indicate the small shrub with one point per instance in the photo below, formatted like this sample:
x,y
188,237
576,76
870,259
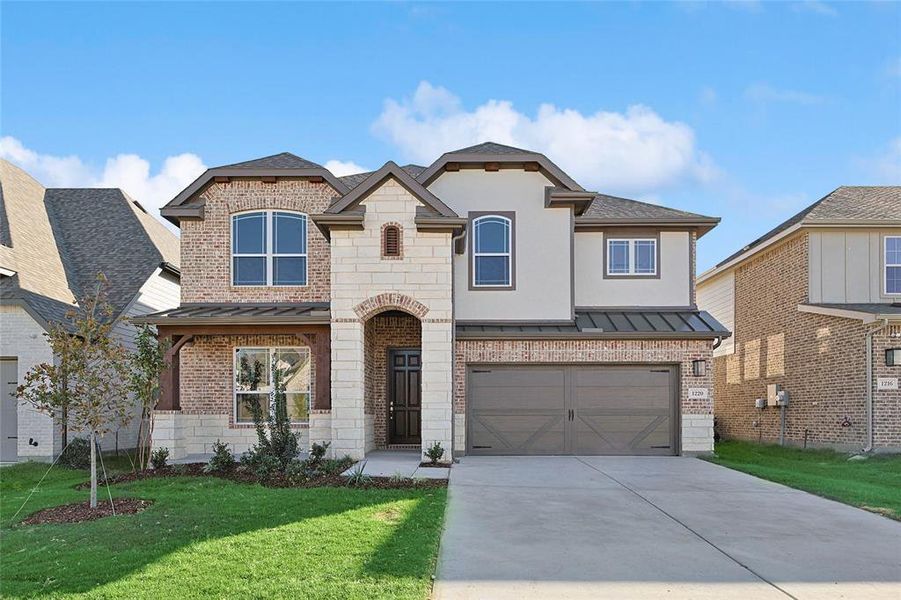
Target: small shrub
x,y
159,458
317,452
398,478
77,454
299,471
274,436
222,460
434,453
333,466
357,477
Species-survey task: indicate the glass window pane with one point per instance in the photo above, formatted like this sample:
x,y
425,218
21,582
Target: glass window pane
x,y
645,256
249,270
244,402
618,256
289,235
893,251
295,366
289,270
893,280
298,407
249,233
492,270
492,235
252,369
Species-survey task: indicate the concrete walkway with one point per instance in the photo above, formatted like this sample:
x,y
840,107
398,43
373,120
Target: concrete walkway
x,y
675,528
388,463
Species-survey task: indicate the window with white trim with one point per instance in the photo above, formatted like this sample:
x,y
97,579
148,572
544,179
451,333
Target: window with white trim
x,y
630,257
269,248
492,258
253,381
893,264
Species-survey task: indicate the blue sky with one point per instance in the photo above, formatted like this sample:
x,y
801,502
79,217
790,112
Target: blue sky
x,y
748,111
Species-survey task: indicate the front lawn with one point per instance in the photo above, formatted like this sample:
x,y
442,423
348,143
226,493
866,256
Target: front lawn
x,y
873,483
208,537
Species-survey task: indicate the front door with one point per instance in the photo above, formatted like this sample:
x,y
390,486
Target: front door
x,y
404,396
8,418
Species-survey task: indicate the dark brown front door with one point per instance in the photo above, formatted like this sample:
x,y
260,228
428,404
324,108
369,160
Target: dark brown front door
x,y
404,396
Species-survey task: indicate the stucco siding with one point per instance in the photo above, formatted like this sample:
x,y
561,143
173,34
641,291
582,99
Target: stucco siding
x,y
672,288
542,239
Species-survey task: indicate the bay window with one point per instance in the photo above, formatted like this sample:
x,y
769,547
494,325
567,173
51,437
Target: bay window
x,y
253,383
269,248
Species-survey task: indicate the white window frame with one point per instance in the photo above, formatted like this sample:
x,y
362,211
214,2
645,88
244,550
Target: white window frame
x,y
632,263
886,264
270,352
508,254
270,254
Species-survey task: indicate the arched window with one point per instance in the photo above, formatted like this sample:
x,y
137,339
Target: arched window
x,y
391,241
269,248
492,251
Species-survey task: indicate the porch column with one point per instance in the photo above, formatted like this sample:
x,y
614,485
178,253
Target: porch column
x,y
348,420
169,379
437,393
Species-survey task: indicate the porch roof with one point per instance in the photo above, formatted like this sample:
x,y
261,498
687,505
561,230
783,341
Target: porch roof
x,y
245,313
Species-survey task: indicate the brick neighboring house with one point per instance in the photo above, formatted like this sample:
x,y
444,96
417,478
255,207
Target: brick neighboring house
x,y
814,305
53,242
486,302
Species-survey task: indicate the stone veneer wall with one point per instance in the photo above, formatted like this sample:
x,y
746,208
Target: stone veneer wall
x,y
383,332
696,415
820,360
365,284
206,243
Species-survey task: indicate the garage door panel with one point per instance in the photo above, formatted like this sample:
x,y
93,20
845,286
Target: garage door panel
x,y
622,434
506,433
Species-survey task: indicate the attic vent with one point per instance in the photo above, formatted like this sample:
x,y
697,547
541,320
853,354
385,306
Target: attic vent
x,y
391,241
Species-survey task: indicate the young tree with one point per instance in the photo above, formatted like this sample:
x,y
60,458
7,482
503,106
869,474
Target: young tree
x,y
96,377
147,364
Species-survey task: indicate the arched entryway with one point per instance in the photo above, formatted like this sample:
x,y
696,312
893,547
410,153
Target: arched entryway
x,y
392,402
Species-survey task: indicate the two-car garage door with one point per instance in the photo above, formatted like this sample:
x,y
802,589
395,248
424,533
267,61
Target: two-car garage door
x,y
570,409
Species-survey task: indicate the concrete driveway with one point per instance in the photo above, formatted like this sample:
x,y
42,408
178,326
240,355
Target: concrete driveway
x,y
611,527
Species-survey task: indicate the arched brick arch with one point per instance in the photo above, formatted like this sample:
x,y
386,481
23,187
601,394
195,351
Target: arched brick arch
x,y
390,301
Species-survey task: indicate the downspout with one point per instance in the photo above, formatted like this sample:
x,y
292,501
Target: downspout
x,y
869,338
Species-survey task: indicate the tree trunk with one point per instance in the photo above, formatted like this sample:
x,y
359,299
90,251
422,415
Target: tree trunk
x,y
93,470
149,439
140,444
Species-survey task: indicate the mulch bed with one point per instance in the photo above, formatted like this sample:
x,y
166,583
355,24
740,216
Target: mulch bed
x,y
434,465
82,511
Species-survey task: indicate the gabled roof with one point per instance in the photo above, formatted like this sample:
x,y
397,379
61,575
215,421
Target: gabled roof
x,y
846,205
376,178
352,181
615,211
284,164
501,155
61,238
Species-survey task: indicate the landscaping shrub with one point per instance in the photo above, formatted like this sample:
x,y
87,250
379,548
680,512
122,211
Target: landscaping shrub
x,y
317,452
276,443
357,477
159,458
434,453
222,459
77,454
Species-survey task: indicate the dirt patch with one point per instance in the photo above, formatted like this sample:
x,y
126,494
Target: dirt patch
x,y
82,511
389,515
434,465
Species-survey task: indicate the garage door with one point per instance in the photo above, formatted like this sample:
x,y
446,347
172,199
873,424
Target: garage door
x,y
571,410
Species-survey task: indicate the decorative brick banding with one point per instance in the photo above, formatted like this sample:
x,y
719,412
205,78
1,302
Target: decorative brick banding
x,y
390,301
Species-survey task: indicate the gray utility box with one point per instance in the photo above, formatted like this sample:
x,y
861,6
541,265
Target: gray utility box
x,y
772,394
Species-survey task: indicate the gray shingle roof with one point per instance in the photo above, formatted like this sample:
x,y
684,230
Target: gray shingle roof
x,y
63,237
490,148
591,322
847,203
283,160
613,207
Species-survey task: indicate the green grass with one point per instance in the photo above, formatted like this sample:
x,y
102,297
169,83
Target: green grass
x,y
207,537
873,484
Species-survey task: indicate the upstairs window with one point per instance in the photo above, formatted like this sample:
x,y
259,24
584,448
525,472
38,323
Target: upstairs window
x,y
893,265
269,248
492,256
632,257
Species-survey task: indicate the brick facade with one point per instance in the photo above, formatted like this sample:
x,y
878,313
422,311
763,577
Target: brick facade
x,y
820,360
206,243
383,332
697,415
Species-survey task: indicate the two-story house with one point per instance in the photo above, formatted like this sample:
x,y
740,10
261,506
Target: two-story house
x,y
815,307
486,302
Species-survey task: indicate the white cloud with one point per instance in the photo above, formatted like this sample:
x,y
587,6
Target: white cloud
x,y
817,7
764,93
344,167
127,171
885,166
636,151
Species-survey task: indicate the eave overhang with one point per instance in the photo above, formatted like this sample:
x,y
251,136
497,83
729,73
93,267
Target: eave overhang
x,y
700,226
870,315
560,197
349,220
529,161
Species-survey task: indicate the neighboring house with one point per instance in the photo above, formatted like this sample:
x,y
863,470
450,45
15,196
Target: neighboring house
x,y
486,302
815,307
53,242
